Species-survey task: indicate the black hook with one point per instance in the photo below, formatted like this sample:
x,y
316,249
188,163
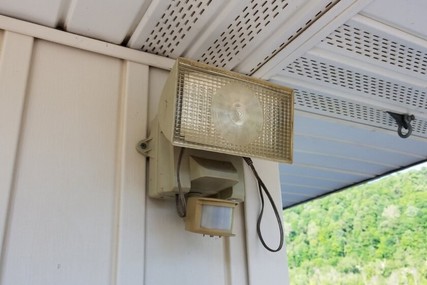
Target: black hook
x,y
403,121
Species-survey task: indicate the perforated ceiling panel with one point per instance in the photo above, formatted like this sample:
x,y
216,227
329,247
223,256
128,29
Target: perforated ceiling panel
x,y
365,39
239,35
357,85
237,39
169,27
246,26
174,24
350,79
284,35
348,69
309,21
351,111
355,40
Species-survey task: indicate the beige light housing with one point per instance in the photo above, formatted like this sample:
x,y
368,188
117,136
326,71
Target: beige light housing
x,y
219,116
202,172
208,108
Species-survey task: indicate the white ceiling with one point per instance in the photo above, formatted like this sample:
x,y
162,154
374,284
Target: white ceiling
x,y
349,61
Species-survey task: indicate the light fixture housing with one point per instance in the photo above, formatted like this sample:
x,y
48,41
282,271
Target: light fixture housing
x,y
218,116
208,108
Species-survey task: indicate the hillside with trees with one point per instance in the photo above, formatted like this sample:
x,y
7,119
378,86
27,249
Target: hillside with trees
x,y
375,233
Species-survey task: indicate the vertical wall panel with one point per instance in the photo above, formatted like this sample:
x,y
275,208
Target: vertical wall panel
x,y
264,267
237,265
15,57
131,226
175,256
62,216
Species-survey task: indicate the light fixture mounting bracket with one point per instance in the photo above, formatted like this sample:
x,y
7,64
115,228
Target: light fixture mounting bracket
x,y
144,146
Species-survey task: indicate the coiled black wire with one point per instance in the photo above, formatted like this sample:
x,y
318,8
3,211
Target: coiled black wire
x,y
261,188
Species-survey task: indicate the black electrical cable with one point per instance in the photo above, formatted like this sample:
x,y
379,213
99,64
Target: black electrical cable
x,y
181,204
261,187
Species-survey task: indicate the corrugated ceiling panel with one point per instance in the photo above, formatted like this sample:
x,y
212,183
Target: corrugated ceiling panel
x,y
363,154
348,164
320,173
327,146
292,199
307,191
359,134
309,181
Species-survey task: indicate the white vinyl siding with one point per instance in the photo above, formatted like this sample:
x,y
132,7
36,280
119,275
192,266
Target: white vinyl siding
x,y
73,208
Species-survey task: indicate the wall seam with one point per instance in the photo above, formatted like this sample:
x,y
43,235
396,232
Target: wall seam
x,y
24,108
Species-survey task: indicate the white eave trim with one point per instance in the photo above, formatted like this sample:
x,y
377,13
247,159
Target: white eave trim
x,y
76,41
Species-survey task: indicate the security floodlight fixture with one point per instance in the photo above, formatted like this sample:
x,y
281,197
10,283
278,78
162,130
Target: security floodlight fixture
x,y
219,117
208,108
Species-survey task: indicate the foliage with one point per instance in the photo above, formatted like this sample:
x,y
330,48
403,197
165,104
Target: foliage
x,y
375,233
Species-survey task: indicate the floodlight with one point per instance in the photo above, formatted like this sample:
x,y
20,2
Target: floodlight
x,y
219,117
208,108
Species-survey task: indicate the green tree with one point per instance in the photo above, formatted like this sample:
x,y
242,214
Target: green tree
x,y
375,233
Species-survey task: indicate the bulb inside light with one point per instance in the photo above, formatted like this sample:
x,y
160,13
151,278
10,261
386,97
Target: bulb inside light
x,y
237,114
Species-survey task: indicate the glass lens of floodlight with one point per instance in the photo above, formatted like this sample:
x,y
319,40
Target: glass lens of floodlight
x,y
216,217
237,114
225,112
